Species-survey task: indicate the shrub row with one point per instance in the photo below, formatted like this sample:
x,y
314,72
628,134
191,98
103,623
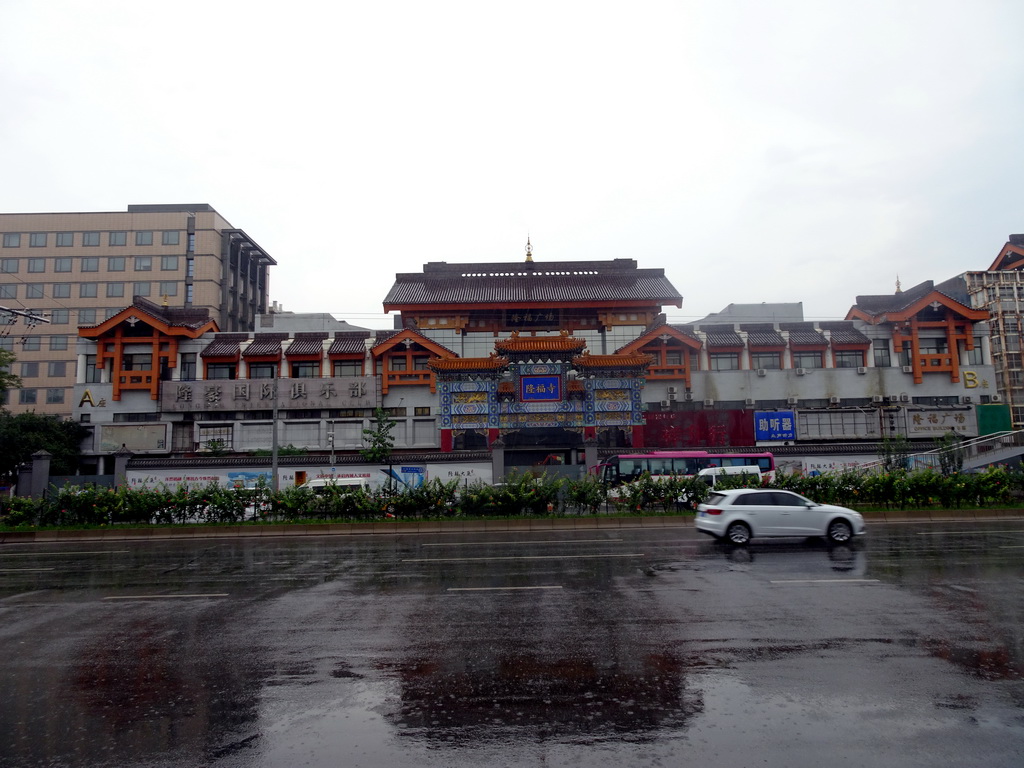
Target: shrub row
x,y
520,495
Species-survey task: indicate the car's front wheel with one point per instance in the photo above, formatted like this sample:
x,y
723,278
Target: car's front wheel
x,y
839,531
737,533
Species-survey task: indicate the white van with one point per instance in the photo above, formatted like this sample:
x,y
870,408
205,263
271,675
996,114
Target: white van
x,y
710,474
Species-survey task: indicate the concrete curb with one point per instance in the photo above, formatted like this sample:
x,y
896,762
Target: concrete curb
x,y
600,522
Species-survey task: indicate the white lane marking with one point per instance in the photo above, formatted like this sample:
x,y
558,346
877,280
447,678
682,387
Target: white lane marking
x,y
824,581
961,533
41,554
507,543
1011,546
23,570
498,589
520,557
160,597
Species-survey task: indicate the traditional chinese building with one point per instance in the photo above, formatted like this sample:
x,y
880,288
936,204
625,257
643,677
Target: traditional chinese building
x,y
548,363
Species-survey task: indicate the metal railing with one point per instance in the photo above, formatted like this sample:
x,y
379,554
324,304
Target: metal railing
x,y
977,452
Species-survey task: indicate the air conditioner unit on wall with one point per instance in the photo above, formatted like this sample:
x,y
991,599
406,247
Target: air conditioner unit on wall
x,y
862,369
666,403
688,396
877,398
834,400
904,398
709,402
792,400
996,399
749,402
967,399
908,369
671,390
801,371
762,372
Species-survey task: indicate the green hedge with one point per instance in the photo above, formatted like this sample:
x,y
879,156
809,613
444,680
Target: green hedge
x,y
521,494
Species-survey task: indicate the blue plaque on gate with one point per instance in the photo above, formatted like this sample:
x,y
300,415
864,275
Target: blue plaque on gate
x,y
538,389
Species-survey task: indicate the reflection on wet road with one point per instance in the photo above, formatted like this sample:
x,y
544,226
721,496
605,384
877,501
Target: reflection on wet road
x,y
588,648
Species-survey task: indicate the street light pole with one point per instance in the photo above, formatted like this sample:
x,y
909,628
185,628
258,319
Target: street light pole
x,y
273,439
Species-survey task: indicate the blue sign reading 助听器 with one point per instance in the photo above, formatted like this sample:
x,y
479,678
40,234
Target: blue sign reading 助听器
x,y
774,425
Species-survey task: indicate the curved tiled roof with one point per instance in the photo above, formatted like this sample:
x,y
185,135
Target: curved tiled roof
x,y
612,361
540,344
532,283
492,363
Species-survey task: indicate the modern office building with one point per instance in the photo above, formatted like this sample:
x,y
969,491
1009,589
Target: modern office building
x,y
999,290
79,269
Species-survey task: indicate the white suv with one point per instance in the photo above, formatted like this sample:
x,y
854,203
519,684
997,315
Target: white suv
x,y
745,513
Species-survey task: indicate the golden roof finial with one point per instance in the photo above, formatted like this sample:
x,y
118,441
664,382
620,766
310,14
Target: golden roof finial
x,y
165,300
529,249
898,288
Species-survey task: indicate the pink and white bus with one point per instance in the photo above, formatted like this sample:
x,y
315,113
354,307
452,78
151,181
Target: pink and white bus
x,y
627,467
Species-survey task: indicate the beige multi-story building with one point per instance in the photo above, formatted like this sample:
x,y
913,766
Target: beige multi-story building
x,y
79,269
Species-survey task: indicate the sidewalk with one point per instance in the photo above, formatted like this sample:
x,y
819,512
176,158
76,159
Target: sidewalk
x,y
415,527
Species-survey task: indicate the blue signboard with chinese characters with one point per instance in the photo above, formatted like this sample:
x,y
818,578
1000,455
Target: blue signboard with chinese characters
x,y
774,425
538,389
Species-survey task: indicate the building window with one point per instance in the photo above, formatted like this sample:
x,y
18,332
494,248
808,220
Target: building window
x,y
115,290
63,264
191,242
397,364
29,370
92,373
9,266
90,238
34,291
168,289
62,290
143,238
37,240
348,368
9,291
59,316
57,368
188,366
143,263
974,356
90,264
723,361
305,370
262,370
807,360
849,358
12,240
118,238
87,290
171,238
673,357
31,344
141,289
59,342
109,312
168,263
220,371
189,293
27,396
770,361
419,363
65,239
87,317
115,264
37,265
137,362
421,410
54,396
190,267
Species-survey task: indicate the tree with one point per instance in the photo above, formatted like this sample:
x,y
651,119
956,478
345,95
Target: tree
x,y
895,453
8,380
951,454
26,433
379,440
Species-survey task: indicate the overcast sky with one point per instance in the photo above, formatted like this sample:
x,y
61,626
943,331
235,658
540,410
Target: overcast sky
x,y
778,151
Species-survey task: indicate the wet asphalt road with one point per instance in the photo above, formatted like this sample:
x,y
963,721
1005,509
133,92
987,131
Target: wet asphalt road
x,y
649,647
